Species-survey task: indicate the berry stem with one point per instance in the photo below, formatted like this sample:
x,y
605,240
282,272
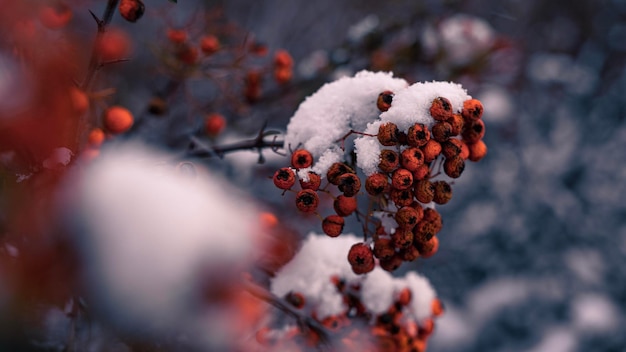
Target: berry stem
x,y
343,139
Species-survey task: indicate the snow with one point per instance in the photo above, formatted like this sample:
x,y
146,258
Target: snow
x,y
148,231
322,257
59,157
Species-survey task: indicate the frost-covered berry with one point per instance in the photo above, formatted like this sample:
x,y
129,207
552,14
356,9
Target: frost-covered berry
x,y
301,159
401,197
443,192
407,217
336,170
361,258
284,178
418,135
332,225
389,160
412,158
349,184
384,100
473,131
441,131
424,191
376,184
402,179
383,248
313,183
344,206
477,150
441,109
472,110
388,134
307,201
454,166
451,147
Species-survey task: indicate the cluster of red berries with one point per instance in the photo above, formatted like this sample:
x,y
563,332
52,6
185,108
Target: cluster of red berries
x,y
188,52
403,186
357,327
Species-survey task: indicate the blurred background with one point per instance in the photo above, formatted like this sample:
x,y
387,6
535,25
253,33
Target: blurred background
x,y
533,247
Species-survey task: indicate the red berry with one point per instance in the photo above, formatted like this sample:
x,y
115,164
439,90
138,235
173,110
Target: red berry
x,y
418,135
384,100
441,109
349,184
131,10
284,178
388,134
314,182
214,124
361,258
389,160
301,159
332,225
345,206
307,201
402,179
472,110
376,184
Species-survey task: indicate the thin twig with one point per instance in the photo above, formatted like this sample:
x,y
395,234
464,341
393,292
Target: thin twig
x,y
94,61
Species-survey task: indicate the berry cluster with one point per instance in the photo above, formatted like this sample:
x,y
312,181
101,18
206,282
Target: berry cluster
x,y
404,187
393,329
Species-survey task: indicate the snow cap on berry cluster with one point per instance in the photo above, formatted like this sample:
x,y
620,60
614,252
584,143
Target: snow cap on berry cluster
x,y
322,258
409,106
336,108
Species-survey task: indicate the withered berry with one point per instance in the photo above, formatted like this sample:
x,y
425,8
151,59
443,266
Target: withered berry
x,y
477,150
422,172
314,182
402,238
451,147
383,248
424,191
418,135
441,131
384,100
407,217
296,299
454,166
402,179
473,131
376,184
307,201
301,159
344,206
409,253
388,134
431,150
472,110
391,264
443,192
457,123
389,160
284,178
412,158
361,258
332,225
441,109
336,170
401,197
349,184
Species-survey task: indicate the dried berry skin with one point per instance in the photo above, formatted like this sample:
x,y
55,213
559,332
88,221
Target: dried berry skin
x,y
349,184
401,197
389,160
451,147
391,264
383,249
284,178
361,258
384,100
418,135
441,109
301,158
402,179
388,134
296,299
307,201
443,192
314,182
424,191
412,158
332,225
421,173
472,110
336,170
473,131
402,238
407,217
454,166
477,151
344,206
441,131
376,184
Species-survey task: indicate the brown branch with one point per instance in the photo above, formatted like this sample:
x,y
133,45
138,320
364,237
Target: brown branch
x,y
199,149
94,61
